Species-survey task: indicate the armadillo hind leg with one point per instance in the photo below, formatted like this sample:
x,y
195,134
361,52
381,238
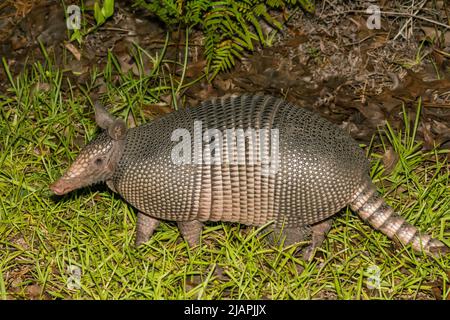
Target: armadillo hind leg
x,y
191,232
145,227
372,208
319,232
287,235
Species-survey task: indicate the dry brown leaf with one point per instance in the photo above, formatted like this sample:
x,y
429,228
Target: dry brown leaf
x,y
437,292
195,69
41,86
429,141
18,42
126,63
34,291
373,113
433,33
390,159
440,128
156,110
76,53
223,85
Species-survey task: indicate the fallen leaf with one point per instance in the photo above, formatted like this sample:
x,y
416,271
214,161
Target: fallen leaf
x,y
390,159
76,53
34,291
429,141
433,33
373,113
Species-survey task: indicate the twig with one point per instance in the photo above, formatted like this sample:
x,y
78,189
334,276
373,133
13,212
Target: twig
x,y
442,52
4,5
410,20
359,42
118,29
436,105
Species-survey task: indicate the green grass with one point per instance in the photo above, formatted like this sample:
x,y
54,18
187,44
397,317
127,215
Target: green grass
x,y
44,118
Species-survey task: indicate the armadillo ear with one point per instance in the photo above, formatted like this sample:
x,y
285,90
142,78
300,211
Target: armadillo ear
x,y
103,119
117,130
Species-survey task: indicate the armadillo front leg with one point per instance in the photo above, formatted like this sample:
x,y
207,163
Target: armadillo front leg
x,y
319,231
146,225
191,232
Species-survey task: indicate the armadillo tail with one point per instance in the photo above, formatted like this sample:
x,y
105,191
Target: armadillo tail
x,y
372,208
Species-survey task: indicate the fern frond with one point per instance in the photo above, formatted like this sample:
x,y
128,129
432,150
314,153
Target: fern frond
x,y
224,57
230,26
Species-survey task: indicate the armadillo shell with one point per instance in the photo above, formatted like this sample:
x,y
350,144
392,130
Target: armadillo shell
x,y
318,172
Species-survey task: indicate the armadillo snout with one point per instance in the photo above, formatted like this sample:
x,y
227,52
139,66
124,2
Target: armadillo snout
x,y
62,186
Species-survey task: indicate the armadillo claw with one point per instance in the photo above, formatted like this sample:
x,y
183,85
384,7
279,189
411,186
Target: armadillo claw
x,y
319,232
145,227
191,232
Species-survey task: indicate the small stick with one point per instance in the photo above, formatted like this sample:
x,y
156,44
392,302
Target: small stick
x,y
409,20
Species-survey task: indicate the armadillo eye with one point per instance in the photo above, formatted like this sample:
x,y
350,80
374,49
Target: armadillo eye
x,y
98,161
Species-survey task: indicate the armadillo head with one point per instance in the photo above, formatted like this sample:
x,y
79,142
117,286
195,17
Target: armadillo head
x,y
98,160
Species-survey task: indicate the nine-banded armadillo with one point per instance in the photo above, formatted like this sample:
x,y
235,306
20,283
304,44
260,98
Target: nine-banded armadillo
x,y
250,159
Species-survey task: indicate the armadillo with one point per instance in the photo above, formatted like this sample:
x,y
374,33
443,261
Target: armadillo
x,y
200,164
